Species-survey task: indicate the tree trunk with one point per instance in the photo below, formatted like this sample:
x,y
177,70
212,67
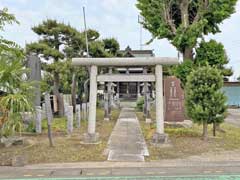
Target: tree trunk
x,y
184,13
188,53
205,131
57,94
74,85
214,128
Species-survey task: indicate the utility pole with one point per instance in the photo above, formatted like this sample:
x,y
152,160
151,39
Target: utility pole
x,y
140,38
86,35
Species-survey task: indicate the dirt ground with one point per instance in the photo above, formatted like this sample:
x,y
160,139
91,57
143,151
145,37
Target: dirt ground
x,y
187,142
66,148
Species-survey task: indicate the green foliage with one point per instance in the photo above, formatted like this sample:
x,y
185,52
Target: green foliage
x,y
204,100
6,18
140,103
183,22
213,53
96,49
17,97
111,45
182,70
12,125
60,43
58,124
209,53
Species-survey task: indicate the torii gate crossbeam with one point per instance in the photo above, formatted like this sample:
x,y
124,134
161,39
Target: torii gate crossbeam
x,y
92,136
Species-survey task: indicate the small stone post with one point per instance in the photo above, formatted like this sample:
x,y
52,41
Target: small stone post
x,y
106,109
84,111
148,116
65,108
138,90
110,94
145,91
49,118
78,115
38,119
70,119
43,111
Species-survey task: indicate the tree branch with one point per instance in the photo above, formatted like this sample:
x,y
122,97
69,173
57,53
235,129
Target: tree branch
x,y
168,17
203,6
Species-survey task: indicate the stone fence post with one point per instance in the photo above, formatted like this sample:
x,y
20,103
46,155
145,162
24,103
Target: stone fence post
x,y
78,115
69,119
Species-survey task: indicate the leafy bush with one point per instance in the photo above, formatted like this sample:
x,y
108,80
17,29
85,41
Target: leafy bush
x,y
205,102
140,103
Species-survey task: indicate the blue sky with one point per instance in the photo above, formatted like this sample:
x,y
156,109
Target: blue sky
x,y
112,18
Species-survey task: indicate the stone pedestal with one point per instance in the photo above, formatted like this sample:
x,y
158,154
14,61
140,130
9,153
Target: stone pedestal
x,y
91,138
159,139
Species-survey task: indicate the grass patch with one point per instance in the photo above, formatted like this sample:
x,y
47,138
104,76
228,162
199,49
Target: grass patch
x,y
187,141
66,149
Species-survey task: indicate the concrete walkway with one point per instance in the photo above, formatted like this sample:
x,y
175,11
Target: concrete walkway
x,y
126,142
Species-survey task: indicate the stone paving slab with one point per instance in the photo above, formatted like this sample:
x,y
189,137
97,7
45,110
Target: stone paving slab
x,y
126,142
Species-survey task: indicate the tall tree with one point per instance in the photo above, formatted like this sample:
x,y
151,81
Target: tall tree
x,y
54,36
182,22
209,53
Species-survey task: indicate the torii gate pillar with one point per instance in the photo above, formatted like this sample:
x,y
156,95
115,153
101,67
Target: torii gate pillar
x,y
159,137
91,136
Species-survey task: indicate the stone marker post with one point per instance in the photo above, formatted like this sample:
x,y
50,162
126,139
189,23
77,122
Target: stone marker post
x,y
69,119
34,65
49,117
84,111
78,115
106,109
38,119
148,116
43,111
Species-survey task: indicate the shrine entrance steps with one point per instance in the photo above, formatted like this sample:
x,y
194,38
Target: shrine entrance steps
x,y
126,142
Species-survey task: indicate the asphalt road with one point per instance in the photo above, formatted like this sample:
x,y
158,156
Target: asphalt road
x,y
219,171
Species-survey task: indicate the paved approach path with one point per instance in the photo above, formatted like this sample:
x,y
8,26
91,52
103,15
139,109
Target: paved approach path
x,y
126,142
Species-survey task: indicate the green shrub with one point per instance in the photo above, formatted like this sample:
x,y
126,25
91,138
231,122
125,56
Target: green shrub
x,y
140,103
205,103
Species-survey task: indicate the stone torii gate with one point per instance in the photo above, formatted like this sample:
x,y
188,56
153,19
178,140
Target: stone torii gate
x,y
91,136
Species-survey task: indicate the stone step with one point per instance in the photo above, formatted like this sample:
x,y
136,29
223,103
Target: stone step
x,y
119,157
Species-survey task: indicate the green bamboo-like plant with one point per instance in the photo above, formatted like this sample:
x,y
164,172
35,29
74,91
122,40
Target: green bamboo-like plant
x,y
15,91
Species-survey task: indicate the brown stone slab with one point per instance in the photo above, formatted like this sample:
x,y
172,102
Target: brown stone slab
x,y
174,100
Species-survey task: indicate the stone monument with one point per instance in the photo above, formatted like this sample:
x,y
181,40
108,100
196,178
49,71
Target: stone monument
x,y
174,100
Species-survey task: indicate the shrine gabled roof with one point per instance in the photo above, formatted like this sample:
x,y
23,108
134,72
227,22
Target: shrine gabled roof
x,y
128,52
